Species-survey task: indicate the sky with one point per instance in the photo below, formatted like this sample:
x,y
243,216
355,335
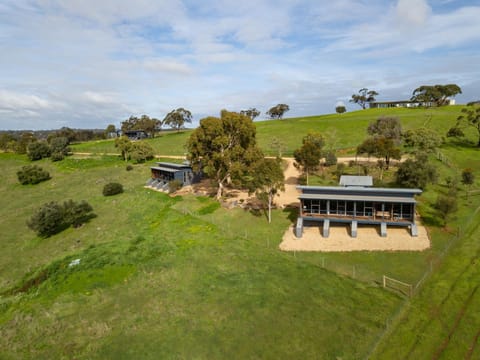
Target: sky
x,y
90,63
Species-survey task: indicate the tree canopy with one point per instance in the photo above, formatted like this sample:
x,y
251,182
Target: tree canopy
x,y
381,147
125,146
277,111
422,139
388,127
145,123
364,97
416,172
266,180
437,95
225,148
308,156
470,117
176,119
252,113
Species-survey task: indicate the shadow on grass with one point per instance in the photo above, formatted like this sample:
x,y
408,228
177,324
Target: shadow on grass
x,y
431,219
292,213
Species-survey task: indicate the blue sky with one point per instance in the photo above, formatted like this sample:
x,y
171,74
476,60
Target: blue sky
x,y
90,63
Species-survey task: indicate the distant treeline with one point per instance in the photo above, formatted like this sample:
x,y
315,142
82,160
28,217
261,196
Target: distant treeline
x,y
74,135
18,140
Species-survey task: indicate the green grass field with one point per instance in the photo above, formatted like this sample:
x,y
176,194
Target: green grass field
x,y
343,132
182,277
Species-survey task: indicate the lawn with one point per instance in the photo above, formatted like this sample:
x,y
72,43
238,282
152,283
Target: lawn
x,y
163,277
342,131
182,277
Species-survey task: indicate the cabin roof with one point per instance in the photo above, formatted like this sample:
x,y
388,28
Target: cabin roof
x,y
349,180
170,167
358,193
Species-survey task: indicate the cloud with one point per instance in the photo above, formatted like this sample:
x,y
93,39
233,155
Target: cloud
x,y
170,66
412,13
99,98
13,101
89,63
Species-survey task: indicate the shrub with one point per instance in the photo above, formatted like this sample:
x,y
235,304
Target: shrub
x,y
446,206
38,150
57,156
330,159
340,170
174,185
76,214
129,167
47,220
59,145
416,173
32,174
302,179
112,189
51,218
141,152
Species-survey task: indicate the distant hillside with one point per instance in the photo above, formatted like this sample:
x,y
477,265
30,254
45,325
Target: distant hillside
x,y
343,131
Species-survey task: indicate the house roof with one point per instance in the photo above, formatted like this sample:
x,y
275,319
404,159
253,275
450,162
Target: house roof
x,y
349,180
170,167
357,193
386,199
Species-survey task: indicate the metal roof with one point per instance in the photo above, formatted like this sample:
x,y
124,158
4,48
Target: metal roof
x,y
161,168
349,197
365,190
173,165
357,193
349,180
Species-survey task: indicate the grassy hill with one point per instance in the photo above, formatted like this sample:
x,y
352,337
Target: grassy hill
x,y
343,131
163,277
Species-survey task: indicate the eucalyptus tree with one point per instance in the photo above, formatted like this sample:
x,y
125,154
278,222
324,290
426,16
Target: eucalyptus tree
x,y
364,97
224,148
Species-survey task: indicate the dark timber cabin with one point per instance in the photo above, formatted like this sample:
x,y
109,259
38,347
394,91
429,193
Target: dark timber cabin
x,y
135,134
356,202
165,172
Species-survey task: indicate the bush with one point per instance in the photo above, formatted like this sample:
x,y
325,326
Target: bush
x,y
57,156
32,174
174,185
330,159
129,167
141,152
340,170
76,214
47,220
51,218
59,145
38,150
416,173
302,179
112,189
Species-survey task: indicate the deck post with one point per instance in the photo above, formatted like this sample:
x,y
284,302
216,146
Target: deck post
x,y
383,229
326,228
299,228
414,230
353,233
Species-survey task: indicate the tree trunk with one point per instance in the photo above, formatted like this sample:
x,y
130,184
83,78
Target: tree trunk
x,y
219,191
269,208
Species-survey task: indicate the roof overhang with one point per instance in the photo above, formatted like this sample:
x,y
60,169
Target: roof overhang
x,y
370,198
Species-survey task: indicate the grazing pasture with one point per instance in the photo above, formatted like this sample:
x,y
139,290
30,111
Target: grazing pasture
x,y
154,276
